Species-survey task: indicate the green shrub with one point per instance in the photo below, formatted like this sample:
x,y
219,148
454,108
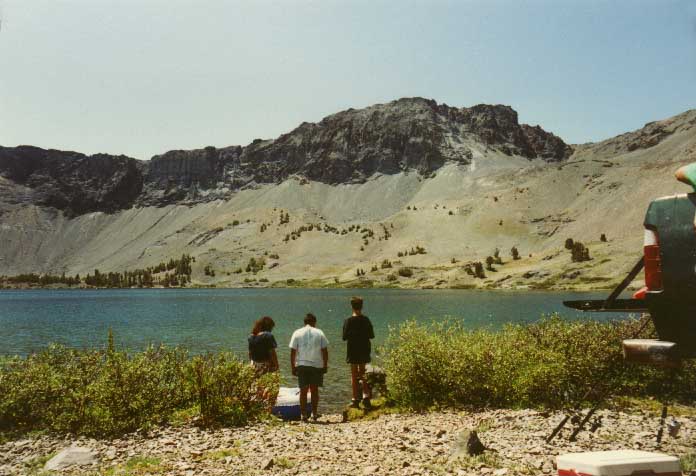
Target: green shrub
x,y
548,364
226,390
405,272
109,392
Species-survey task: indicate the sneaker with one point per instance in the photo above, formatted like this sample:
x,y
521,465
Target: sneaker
x,y
355,403
367,404
315,417
305,418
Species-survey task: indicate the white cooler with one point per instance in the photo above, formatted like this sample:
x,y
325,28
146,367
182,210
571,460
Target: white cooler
x,y
618,463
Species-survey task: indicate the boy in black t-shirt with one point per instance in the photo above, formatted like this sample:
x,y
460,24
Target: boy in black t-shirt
x,y
357,332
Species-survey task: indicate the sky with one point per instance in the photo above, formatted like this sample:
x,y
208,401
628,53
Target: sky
x,y
139,77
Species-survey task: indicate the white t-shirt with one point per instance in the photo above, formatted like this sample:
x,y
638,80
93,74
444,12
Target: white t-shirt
x,y
308,342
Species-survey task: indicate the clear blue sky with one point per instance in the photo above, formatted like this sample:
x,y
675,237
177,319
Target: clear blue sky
x,y
142,77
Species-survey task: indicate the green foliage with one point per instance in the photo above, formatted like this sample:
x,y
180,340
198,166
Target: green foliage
x,y
549,364
475,270
177,272
255,265
515,253
226,390
496,257
579,252
138,466
478,270
111,392
405,272
688,462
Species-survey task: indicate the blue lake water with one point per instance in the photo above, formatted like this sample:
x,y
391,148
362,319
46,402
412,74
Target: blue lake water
x,y
221,319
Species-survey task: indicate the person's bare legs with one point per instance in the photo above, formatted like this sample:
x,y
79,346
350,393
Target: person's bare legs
x,y
315,399
354,376
367,391
303,401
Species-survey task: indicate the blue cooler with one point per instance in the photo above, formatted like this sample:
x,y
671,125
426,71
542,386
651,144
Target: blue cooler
x,y
287,406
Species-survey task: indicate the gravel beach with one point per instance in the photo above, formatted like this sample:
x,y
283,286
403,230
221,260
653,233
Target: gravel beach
x,y
394,444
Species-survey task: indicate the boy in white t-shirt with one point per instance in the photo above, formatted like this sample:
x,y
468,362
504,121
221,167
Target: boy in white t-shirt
x,y
309,359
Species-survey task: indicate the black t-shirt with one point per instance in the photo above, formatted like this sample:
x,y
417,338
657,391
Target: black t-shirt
x,y
260,346
357,332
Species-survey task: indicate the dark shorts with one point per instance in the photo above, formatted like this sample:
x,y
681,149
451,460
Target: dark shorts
x,y
307,376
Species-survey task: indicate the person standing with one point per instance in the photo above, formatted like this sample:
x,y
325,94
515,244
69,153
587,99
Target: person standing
x,y
309,360
262,346
357,332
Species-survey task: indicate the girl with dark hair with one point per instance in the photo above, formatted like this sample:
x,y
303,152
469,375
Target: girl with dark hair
x,y
262,346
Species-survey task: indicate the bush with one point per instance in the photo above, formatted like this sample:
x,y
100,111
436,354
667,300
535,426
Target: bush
x,y
579,253
548,364
109,392
405,272
515,254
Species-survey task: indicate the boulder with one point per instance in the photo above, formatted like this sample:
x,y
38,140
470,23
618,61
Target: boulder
x,y
467,444
72,456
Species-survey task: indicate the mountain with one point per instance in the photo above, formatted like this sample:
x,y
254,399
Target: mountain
x,y
358,188
351,146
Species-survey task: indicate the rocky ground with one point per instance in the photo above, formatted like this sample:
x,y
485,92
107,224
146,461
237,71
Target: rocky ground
x,y
404,444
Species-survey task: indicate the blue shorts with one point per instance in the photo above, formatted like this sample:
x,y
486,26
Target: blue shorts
x,y
307,376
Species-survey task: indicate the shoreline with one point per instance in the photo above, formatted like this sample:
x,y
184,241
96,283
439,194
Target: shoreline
x,y
406,444
273,286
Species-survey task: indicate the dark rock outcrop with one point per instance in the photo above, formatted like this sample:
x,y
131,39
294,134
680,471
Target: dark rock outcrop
x,y
190,176
407,134
71,181
350,146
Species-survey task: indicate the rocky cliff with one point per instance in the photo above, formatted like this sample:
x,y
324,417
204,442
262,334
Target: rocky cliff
x,y
331,198
350,146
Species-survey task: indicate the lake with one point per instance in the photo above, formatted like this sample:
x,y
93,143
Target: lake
x,y
220,319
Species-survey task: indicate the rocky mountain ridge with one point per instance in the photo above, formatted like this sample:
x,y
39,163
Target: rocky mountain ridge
x,y
347,147
350,194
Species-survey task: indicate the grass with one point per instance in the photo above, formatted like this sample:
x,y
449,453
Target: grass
x,y
652,406
380,406
688,462
484,425
224,453
138,466
283,462
34,466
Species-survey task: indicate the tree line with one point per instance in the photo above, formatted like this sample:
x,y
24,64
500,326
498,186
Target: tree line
x,y
175,272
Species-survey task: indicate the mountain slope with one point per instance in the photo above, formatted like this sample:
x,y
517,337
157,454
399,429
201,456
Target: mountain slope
x,y
370,184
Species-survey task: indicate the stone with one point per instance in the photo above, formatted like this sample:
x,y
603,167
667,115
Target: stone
x,y
370,470
72,456
268,464
467,444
